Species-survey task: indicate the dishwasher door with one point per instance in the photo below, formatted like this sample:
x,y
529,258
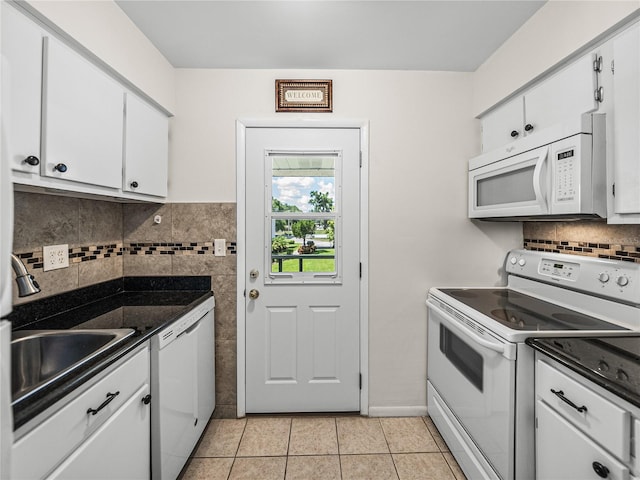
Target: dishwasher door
x,y
182,389
174,406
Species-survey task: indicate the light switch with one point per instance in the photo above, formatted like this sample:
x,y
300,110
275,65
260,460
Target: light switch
x,y
220,247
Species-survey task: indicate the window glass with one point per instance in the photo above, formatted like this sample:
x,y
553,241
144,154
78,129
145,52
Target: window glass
x,y
304,214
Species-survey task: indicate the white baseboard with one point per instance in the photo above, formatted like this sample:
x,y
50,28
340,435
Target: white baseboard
x,y
409,411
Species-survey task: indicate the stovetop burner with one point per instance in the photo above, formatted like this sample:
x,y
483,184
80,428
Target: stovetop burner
x,y
522,312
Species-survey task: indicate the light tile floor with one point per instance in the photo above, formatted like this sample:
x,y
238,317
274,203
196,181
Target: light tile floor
x,y
323,448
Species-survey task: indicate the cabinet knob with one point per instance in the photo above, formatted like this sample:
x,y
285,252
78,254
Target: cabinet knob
x,y
514,133
528,127
146,399
31,160
601,470
134,184
61,167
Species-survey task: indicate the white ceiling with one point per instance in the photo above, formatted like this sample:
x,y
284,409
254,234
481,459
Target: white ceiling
x,y
451,35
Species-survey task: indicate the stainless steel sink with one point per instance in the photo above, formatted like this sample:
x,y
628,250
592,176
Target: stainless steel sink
x,y
39,357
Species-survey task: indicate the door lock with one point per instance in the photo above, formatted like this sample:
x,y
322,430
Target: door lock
x,y
254,273
253,294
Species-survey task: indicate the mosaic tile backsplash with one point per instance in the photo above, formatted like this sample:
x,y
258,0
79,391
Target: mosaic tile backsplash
x,y
109,240
594,239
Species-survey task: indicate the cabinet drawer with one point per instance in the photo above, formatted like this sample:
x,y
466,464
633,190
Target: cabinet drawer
x,y
602,420
43,448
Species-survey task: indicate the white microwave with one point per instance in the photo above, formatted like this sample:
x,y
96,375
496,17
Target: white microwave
x,y
558,173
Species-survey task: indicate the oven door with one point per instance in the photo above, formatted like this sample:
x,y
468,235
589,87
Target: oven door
x,y
516,186
474,373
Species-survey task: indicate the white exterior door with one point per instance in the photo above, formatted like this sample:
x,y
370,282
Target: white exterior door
x,y
302,269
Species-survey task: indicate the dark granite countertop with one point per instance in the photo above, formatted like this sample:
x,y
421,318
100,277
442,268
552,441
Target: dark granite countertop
x,y
145,304
585,356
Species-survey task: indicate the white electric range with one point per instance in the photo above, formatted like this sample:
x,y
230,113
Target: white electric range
x,y
480,373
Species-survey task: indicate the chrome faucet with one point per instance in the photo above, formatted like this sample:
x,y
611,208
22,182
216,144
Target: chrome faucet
x,y
27,284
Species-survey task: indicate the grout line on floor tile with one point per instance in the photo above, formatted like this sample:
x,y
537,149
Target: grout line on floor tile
x,y
389,448
449,465
244,429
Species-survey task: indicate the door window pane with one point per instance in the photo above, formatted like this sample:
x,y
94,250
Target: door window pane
x,y
303,245
303,183
304,216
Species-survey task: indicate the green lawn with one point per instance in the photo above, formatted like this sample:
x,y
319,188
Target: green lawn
x,y
309,264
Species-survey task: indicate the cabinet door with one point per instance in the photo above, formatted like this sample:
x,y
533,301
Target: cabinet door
x,y
146,149
498,125
567,94
119,449
21,89
626,121
82,120
565,453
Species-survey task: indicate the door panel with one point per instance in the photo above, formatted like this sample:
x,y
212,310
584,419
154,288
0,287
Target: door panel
x,y
302,242
281,348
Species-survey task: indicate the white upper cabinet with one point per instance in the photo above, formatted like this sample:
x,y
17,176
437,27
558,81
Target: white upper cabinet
x,y
626,122
82,120
566,94
21,90
503,124
146,149
63,120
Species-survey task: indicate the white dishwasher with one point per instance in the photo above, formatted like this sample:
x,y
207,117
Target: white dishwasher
x,y
182,388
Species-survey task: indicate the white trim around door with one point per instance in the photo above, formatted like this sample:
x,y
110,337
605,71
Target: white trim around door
x,y
241,126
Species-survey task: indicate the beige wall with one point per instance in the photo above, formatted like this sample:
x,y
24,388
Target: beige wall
x,y
422,133
104,29
554,32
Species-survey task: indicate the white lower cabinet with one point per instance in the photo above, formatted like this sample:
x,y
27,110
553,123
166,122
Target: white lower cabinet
x,y
71,441
565,453
118,450
582,430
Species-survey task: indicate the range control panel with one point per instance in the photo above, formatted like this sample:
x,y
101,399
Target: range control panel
x,y
557,268
615,279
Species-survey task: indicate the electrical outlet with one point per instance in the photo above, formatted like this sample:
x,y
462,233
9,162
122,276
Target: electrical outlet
x,y
55,256
220,247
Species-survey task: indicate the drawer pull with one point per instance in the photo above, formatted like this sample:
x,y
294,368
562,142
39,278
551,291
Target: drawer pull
x,y
110,397
560,395
601,470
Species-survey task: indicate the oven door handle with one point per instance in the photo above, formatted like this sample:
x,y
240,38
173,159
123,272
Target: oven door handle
x,y
507,350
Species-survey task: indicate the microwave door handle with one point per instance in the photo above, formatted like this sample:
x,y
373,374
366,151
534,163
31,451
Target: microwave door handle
x,y
506,350
537,178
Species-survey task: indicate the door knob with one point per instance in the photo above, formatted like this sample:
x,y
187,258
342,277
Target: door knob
x,y
253,294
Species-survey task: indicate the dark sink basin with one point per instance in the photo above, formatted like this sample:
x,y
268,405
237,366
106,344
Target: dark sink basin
x,y
39,357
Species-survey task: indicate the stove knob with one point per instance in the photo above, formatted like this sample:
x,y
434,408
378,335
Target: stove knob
x,y
622,375
522,262
603,277
603,366
622,281
513,260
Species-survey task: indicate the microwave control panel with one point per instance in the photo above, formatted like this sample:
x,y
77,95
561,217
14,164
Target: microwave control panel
x,y
565,175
